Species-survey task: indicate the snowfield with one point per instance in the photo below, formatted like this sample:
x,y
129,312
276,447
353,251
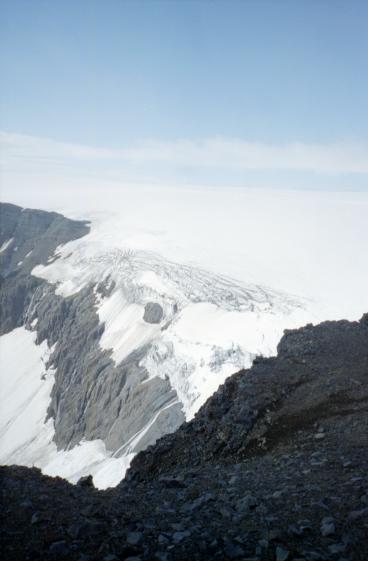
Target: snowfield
x,y
306,243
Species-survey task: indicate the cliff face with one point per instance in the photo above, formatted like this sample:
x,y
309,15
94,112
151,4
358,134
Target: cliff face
x,y
92,397
27,238
274,467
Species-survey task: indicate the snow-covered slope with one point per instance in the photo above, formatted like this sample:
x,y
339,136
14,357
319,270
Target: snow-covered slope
x,y
26,437
167,295
308,243
210,324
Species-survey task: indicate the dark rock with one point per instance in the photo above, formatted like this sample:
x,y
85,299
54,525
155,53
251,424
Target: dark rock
x,y
327,526
180,536
336,548
282,554
134,538
173,482
364,499
153,312
249,502
234,551
357,514
26,504
86,481
59,550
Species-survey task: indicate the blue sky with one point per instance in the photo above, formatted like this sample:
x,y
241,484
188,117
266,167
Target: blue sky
x,y
117,74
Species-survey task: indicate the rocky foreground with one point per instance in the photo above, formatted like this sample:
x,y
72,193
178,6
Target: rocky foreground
x,y
273,467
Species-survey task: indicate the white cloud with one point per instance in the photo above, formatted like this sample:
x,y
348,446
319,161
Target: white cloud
x,y
241,155
22,151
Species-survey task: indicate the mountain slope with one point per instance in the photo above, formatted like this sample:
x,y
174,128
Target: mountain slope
x,y
273,467
129,342
320,375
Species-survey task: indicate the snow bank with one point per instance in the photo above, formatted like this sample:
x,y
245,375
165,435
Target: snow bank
x,y
6,244
125,329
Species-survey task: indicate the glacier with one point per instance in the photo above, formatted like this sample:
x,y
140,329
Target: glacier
x,y
229,272
212,325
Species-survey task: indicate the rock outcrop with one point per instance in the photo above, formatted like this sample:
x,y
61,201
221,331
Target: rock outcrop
x,y
274,467
27,238
310,381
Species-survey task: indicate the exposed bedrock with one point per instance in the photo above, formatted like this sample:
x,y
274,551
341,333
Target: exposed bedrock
x,y
92,398
153,312
27,238
33,236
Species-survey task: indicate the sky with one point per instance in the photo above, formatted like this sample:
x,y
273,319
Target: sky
x,y
263,93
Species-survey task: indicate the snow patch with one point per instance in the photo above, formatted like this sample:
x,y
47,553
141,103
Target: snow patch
x,y
6,244
88,457
25,393
125,329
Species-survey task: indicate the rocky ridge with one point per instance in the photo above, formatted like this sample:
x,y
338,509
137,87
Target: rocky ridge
x,y
273,467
